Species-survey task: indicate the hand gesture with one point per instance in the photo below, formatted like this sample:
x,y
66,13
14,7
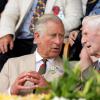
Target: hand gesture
x,y
34,77
85,59
72,37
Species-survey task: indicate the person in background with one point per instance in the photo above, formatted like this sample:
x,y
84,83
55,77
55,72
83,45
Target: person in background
x,y
15,36
21,75
91,44
90,7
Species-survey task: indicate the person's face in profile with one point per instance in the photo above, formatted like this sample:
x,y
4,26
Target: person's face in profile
x,y
91,39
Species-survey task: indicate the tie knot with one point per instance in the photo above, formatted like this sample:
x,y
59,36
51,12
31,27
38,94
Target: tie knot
x,y
44,60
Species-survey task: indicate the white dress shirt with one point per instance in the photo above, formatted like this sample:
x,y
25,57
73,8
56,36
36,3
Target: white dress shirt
x,y
39,62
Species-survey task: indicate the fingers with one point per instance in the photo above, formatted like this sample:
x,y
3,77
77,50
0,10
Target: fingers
x,y
72,37
33,80
33,77
31,74
71,41
5,42
19,83
28,87
2,50
11,45
85,60
37,79
22,75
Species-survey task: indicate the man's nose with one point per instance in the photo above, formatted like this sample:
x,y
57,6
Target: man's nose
x,y
83,40
58,40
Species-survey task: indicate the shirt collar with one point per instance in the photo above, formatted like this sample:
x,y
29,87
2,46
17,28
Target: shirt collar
x,y
39,58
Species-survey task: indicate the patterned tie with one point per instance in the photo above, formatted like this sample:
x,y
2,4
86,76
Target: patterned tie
x,y
42,68
38,12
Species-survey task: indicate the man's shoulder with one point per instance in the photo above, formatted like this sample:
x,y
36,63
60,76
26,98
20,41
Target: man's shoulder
x,y
22,63
59,63
21,58
59,60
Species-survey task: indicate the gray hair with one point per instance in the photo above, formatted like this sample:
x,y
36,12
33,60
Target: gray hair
x,y
93,21
40,25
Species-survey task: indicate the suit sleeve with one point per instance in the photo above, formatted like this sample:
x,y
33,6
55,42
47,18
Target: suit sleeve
x,y
73,14
9,18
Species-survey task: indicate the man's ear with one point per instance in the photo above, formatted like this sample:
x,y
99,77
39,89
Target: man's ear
x,y
36,37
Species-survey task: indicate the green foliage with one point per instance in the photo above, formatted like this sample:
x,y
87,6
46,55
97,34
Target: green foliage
x,y
71,86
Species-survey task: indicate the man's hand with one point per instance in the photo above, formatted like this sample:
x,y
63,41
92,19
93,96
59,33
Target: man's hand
x,y
72,37
5,42
34,77
85,59
38,79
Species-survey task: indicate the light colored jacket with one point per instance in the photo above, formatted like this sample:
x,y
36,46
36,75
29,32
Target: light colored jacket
x,y
16,66
84,3
15,11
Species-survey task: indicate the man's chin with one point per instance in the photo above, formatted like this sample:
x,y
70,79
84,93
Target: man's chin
x,y
54,55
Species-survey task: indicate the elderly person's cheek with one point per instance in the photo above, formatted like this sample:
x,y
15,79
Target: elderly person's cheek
x,y
49,46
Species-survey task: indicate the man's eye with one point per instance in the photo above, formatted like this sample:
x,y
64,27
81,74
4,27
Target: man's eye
x,y
53,35
62,36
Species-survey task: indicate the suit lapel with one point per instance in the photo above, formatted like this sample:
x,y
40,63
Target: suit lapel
x,y
29,65
26,4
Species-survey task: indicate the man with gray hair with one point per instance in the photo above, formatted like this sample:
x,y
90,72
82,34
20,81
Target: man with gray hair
x,y
91,43
21,75
16,39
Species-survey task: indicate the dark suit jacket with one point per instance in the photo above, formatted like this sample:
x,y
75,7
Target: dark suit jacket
x,y
88,72
90,6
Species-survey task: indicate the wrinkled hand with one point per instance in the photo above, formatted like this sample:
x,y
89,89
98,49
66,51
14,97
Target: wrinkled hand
x,y
85,59
5,42
33,77
38,79
72,37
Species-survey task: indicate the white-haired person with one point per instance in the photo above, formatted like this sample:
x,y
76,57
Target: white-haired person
x,y
90,8
91,43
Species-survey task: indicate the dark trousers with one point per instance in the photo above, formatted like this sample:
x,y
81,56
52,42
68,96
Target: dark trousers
x,y
21,47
